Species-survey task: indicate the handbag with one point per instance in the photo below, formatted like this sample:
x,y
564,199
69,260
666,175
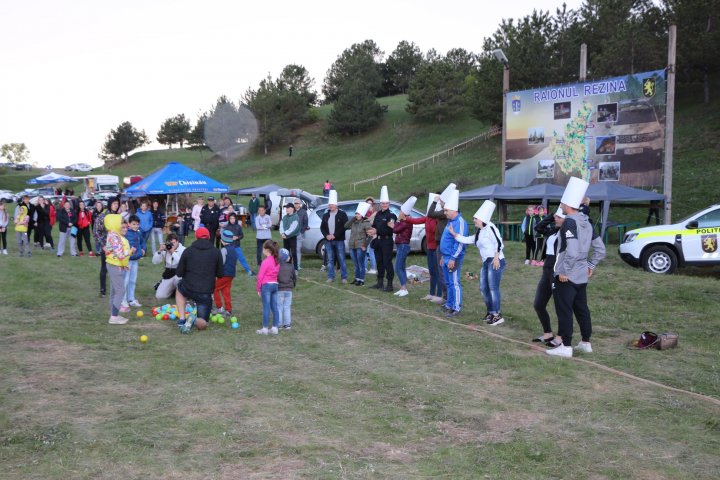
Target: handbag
x,y
73,231
663,341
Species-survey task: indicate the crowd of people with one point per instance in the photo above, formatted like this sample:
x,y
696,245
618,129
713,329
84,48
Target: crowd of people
x,y
203,272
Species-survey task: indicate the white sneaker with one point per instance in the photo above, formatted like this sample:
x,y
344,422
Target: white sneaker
x,y
527,262
584,347
561,351
124,309
262,331
274,330
397,293
372,271
118,320
402,293
135,303
5,252
124,304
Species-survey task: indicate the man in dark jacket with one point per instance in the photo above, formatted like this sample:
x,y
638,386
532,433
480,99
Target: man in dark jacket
x,y
67,218
199,265
333,230
442,220
210,217
383,243
302,214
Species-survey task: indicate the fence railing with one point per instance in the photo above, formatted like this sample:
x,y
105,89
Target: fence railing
x,y
448,152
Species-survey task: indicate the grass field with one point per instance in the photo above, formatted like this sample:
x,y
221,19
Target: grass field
x,y
365,385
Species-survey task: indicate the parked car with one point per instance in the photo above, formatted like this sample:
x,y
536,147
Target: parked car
x,y
663,248
23,166
313,237
7,196
78,167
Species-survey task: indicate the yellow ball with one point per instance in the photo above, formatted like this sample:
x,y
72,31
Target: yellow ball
x,y
140,313
143,338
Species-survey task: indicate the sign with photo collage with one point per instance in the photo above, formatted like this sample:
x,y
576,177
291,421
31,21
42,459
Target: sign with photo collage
x,y
610,130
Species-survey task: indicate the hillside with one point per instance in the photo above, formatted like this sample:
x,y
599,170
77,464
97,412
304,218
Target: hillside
x,y
399,141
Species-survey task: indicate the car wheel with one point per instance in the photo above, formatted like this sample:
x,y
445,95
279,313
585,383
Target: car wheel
x,y
659,259
320,249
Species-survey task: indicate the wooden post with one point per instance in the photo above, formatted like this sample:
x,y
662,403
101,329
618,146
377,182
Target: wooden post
x,y
583,62
669,126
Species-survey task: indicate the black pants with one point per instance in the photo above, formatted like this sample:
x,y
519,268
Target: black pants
x,y
84,233
653,212
103,271
44,232
3,240
543,293
539,248
383,257
529,247
571,298
259,251
291,245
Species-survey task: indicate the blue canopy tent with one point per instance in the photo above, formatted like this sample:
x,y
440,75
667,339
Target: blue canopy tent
x,y
173,179
51,177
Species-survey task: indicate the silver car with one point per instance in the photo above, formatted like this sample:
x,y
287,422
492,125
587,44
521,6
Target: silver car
x,y
313,241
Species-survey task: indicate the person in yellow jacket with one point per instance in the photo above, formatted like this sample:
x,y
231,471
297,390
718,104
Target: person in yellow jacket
x,y
22,219
117,256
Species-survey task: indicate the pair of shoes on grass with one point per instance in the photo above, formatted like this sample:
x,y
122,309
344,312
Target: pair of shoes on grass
x,y
265,331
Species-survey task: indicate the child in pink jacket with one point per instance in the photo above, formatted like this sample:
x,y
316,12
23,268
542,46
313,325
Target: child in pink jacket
x,y
267,286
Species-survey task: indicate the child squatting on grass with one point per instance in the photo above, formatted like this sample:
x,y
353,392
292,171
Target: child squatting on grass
x,y
117,256
267,287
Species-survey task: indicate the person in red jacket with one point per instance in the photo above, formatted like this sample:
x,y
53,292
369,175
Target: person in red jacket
x,y
403,231
84,220
431,251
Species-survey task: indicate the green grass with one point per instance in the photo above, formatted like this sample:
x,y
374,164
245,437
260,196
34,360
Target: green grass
x,y
366,385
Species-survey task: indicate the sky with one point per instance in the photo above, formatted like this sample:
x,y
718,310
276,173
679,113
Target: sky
x,y
75,69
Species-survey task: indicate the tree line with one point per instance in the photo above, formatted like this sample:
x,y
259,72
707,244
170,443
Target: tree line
x,y
543,48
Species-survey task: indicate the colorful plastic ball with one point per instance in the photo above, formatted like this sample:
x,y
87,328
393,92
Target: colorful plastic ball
x,y
158,316
235,325
154,311
143,338
173,316
221,320
233,319
166,317
139,313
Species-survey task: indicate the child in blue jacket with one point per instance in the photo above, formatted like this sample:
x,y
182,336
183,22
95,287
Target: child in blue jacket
x,y
137,250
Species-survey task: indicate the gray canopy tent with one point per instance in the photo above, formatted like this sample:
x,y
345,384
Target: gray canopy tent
x,y
603,193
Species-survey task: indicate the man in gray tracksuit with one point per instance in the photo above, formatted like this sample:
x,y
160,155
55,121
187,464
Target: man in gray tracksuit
x,y
572,271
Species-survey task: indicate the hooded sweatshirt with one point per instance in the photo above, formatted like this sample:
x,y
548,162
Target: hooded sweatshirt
x,y
199,265
575,239
117,248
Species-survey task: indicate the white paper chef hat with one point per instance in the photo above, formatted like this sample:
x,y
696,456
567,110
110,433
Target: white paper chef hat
x,y
484,213
384,197
445,195
332,200
453,202
362,208
574,192
431,199
408,205
560,213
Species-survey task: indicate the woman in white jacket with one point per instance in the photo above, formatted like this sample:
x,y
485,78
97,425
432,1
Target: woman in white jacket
x,y
490,245
171,257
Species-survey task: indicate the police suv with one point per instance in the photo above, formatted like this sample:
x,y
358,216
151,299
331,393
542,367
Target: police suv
x,y
662,248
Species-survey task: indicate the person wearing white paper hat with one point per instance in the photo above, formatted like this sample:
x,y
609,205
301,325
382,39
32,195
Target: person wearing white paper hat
x,y
332,227
382,228
573,269
453,254
370,215
403,231
430,248
359,225
490,245
550,227
436,212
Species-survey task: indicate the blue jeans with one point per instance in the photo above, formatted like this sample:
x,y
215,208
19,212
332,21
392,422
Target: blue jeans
x,y
131,280
336,248
403,249
268,293
284,301
358,258
252,221
435,284
371,255
452,281
490,284
241,259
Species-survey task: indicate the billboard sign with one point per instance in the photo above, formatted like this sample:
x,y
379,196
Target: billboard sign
x,y
610,130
